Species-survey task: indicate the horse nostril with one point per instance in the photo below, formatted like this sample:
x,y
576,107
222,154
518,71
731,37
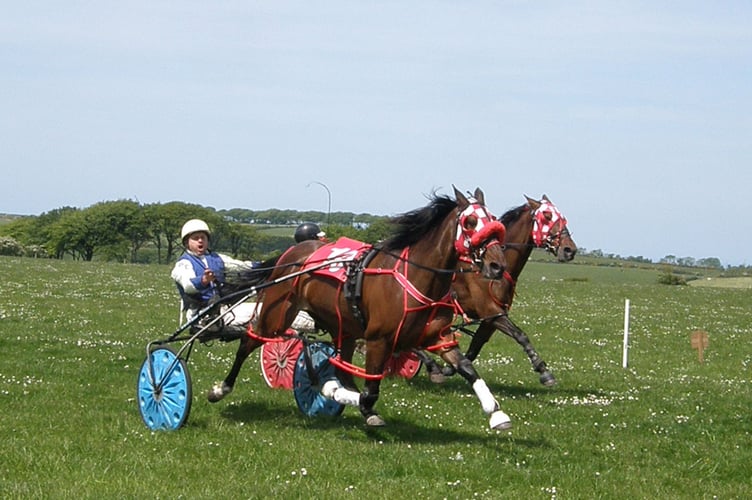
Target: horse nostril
x,y
569,253
496,270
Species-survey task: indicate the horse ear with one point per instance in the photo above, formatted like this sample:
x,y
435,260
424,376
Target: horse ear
x,y
534,204
461,200
478,195
546,198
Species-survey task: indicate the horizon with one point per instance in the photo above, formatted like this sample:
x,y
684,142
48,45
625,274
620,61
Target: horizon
x,y
606,252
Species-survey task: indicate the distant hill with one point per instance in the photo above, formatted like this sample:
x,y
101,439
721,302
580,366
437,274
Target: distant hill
x,y
5,218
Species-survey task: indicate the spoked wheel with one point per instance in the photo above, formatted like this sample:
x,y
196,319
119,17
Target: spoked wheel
x,y
405,364
278,361
308,380
164,391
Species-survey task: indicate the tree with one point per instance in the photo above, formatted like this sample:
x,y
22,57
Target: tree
x,y
138,231
9,246
668,259
710,262
378,230
166,220
68,235
240,241
37,231
115,229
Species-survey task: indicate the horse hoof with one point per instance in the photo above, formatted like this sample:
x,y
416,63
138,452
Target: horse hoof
x,y
448,371
500,421
547,379
375,421
218,392
437,377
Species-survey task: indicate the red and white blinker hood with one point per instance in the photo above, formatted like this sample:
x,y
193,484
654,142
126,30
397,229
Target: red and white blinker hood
x,y
486,228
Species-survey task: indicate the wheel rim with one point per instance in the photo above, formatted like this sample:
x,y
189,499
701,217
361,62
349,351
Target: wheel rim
x,y
405,365
165,402
278,362
307,395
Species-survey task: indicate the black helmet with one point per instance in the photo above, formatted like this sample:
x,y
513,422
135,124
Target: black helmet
x,y
308,231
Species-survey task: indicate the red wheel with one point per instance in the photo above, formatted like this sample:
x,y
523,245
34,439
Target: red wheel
x,y
405,364
278,361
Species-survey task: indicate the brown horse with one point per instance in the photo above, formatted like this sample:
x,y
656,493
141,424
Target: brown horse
x,y
402,286
534,224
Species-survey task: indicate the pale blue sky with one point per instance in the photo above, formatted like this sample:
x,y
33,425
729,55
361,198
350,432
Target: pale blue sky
x,y
634,117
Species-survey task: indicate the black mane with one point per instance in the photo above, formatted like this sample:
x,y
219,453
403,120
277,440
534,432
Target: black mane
x,y
413,226
513,215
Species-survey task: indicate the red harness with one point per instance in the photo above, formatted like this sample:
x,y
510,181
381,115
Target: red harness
x,y
346,250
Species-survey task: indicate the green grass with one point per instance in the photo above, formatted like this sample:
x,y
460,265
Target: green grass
x,y
739,282
72,338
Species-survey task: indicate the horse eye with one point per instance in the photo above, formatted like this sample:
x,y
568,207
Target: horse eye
x,y
470,222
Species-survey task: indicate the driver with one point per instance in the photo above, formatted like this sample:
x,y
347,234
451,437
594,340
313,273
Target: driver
x,y
308,231
199,272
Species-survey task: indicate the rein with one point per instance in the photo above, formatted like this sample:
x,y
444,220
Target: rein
x,y
477,231
468,322
400,257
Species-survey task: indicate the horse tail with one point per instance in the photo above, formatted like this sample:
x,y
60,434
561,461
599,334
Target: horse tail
x,y
252,276
269,264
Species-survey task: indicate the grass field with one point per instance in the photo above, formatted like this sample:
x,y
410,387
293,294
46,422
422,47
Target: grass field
x,y
72,338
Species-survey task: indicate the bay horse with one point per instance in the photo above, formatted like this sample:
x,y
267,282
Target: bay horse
x,y
402,300
535,224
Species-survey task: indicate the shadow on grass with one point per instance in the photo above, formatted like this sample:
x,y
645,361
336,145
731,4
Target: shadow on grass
x,y
410,431
458,385
398,429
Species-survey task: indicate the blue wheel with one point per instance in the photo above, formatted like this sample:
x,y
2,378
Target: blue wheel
x,y
307,391
165,401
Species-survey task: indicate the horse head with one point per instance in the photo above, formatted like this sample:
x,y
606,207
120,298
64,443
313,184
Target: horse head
x,y
479,236
550,230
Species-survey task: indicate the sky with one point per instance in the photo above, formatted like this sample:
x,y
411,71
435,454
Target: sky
x,y
635,118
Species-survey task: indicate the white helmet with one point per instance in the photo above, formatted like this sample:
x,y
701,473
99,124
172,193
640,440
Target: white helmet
x,y
194,226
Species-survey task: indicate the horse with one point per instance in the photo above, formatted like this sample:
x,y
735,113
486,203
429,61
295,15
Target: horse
x,y
394,295
535,224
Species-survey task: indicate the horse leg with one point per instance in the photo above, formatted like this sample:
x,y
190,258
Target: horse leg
x,y
498,419
506,325
276,316
377,351
481,336
347,349
222,389
435,373
365,400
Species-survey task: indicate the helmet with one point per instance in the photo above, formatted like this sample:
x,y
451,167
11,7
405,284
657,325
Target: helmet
x,y
194,226
308,231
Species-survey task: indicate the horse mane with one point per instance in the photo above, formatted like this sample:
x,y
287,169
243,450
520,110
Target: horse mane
x,y
513,215
413,226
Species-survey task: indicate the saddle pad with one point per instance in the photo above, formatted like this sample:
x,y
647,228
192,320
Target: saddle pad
x,y
337,254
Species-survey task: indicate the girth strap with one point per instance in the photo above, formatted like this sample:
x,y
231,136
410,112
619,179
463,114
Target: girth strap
x,y
354,285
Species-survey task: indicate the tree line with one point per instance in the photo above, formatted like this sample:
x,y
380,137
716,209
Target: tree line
x,y
127,231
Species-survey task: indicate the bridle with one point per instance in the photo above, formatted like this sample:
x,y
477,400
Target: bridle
x,y
477,230
545,218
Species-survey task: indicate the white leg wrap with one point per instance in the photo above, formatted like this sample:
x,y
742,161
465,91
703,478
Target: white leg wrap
x,y
219,391
333,390
347,397
487,401
329,388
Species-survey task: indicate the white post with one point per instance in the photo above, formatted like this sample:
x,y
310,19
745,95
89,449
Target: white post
x,y
626,333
